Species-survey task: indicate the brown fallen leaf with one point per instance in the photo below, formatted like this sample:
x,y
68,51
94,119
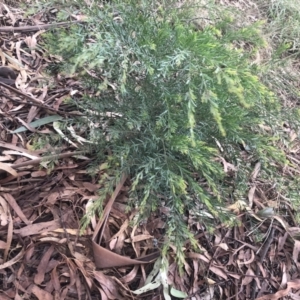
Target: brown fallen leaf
x,y
14,260
293,284
39,293
39,277
131,275
108,285
105,258
8,220
8,169
38,228
138,238
218,271
38,174
248,277
14,205
3,245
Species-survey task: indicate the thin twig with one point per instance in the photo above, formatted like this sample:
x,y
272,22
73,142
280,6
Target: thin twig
x,y
45,158
36,27
263,254
35,101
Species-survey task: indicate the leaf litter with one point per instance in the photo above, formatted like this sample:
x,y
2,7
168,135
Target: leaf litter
x,y
44,194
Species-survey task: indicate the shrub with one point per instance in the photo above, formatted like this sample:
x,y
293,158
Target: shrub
x,y
177,97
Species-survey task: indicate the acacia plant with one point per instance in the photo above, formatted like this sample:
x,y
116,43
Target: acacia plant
x,y
167,97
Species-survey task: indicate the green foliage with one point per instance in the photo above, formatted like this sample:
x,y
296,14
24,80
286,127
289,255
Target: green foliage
x,y
176,93
280,71
284,16
39,141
